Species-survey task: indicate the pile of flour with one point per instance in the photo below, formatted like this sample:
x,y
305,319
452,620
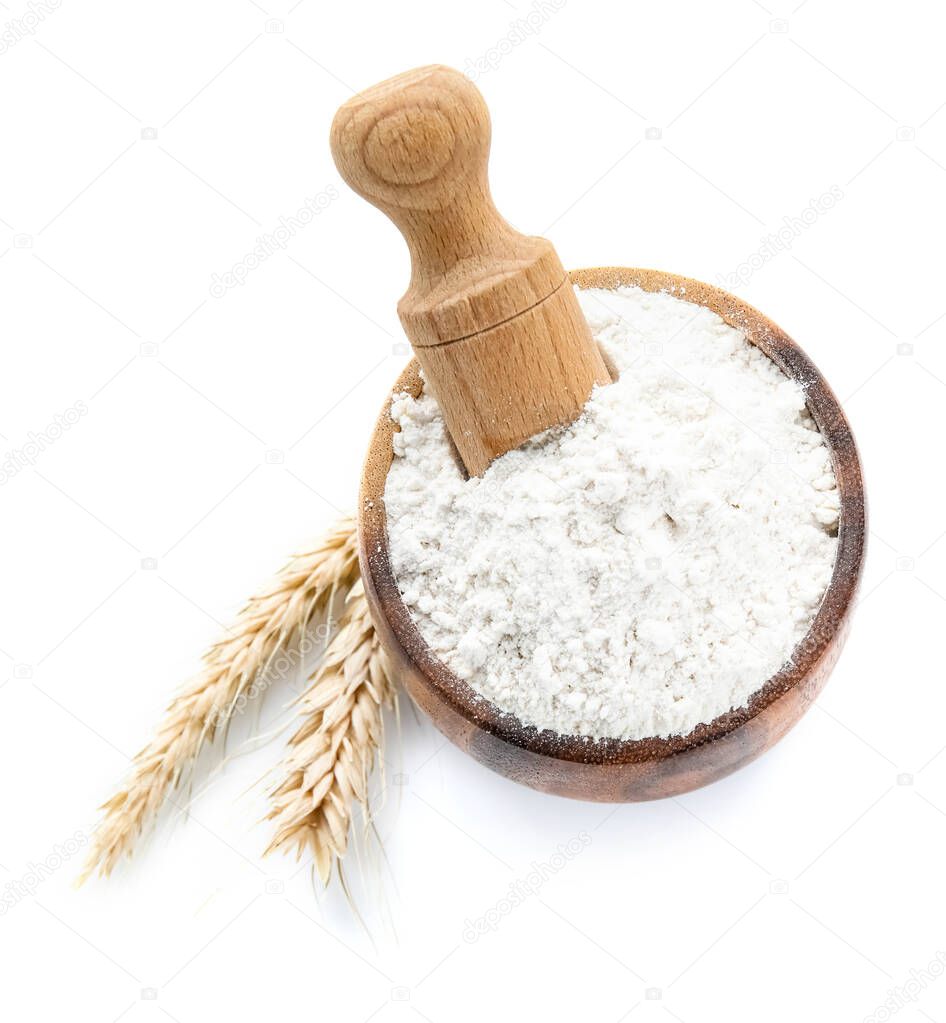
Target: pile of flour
x,y
643,570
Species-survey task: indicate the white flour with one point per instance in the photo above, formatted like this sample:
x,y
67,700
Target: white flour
x,y
643,570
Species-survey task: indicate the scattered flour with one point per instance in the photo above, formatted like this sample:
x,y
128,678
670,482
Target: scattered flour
x,y
643,570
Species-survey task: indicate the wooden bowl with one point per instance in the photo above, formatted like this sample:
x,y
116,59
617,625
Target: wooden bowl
x,y
613,770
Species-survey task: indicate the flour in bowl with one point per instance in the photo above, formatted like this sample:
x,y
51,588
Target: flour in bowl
x,y
643,570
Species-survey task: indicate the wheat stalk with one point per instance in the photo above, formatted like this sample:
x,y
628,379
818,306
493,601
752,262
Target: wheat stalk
x,y
307,587
331,754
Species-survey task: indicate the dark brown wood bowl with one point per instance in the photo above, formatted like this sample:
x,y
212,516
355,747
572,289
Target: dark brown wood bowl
x,y
613,770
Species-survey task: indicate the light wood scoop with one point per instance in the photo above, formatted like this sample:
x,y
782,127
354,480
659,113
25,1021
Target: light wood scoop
x,y
490,312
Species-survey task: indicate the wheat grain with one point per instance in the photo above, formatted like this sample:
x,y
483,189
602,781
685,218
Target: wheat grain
x,y
233,670
325,773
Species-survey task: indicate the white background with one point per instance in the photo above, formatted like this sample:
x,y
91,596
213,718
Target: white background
x,y
808,885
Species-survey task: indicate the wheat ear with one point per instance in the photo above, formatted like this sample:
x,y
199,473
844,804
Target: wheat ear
x,y
306,588
325,773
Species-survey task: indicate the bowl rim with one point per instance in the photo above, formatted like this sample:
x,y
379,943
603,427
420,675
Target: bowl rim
x,y
830,619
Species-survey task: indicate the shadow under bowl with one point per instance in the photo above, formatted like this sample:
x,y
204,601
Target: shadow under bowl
x,y
616,770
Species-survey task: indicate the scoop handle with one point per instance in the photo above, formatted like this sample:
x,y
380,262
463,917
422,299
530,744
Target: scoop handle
x,y
416,146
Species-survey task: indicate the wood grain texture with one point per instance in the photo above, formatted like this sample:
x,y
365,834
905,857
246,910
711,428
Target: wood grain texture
x,y
615,770
500,337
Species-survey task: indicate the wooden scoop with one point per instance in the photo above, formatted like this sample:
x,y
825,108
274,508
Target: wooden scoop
x,y
490,312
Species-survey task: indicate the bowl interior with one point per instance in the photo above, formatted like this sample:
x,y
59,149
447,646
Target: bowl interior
x,y
808,654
